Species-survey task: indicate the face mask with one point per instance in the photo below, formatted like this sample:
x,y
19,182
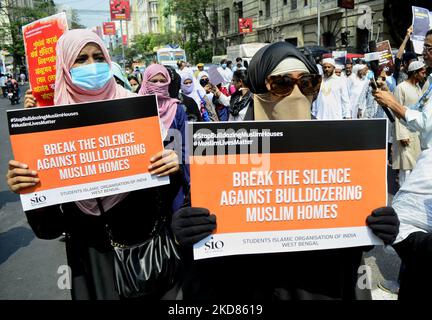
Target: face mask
x,y
224,66
159,89
204,82
296,106
91,76
134,87
187,88
370,75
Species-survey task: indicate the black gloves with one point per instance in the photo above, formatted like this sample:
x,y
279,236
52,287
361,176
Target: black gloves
x,y
191,225
384,224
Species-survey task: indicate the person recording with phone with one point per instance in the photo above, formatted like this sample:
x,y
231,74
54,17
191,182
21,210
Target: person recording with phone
x,y
367,107
417,117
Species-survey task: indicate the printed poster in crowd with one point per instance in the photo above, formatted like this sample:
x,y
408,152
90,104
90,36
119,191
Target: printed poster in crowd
x,y
80,154
339,57
282,186
40,39
215,77
421,22
386,58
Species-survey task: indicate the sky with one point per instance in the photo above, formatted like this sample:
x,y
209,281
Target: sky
x,y
90,12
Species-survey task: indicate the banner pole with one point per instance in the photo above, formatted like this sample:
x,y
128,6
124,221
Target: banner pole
x,y
123,53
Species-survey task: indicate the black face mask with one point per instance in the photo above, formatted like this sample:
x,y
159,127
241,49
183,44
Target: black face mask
x,y
204,82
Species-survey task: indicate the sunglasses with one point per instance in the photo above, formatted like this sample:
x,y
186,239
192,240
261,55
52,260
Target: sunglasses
x,y
283,85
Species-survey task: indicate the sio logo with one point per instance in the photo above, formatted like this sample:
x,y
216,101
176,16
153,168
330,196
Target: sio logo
x,y
214,245
37,199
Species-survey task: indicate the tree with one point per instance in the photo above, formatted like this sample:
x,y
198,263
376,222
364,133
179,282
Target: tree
x,y
144,44
196,17
16,17
75,21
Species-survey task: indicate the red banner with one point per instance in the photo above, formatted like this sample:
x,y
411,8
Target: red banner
x,y
120,9
124,39
40,39
346,4
245,25
109,28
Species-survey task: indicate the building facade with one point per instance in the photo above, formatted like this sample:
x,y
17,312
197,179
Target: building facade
x,y
296,21
147,16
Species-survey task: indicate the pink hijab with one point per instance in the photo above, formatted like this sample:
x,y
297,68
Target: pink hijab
x,y
68,47
167,105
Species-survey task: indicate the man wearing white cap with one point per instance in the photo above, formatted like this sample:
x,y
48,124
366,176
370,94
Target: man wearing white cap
x,y
338,70
333,100
356,84
407,147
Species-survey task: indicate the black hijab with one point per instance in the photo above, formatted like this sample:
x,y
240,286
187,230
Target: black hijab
x,y
174,86
267,59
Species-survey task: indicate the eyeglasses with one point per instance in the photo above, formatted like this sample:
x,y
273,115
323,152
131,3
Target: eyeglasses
x,y
283,85
427,47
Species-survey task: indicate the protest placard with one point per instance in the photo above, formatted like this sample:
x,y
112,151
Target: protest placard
x,y
215,77
386,58
339,57
40,39
421,24
279,186
88,150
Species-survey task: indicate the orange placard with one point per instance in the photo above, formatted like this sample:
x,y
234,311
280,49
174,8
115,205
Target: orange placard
x,y
290,180
277,204
80,155
40,39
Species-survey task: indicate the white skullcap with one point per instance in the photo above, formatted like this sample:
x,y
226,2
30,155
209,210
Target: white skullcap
x,y
358,67
289,65
330,61
339,67
415,65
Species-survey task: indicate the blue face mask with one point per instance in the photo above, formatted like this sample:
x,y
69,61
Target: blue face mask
x,y
370,75
224,66
91,76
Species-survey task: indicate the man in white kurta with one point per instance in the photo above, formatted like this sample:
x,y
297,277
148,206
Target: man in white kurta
x,y
406,148
356,84
333,100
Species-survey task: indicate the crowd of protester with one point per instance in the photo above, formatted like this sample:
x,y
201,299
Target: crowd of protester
x,y
279,83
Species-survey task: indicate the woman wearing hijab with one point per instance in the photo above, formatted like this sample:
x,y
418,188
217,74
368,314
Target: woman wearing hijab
x,y
156,80
120,76
193,90
241,101
83,75
134,83
189,104
284,84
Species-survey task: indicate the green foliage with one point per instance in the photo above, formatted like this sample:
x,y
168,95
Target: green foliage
x,y
203,55
145,44
197,18
75,21
17,17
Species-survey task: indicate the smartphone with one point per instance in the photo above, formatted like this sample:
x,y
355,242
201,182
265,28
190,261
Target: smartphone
x,y
373,84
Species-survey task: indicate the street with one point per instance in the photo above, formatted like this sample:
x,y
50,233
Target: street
x,y
29,266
